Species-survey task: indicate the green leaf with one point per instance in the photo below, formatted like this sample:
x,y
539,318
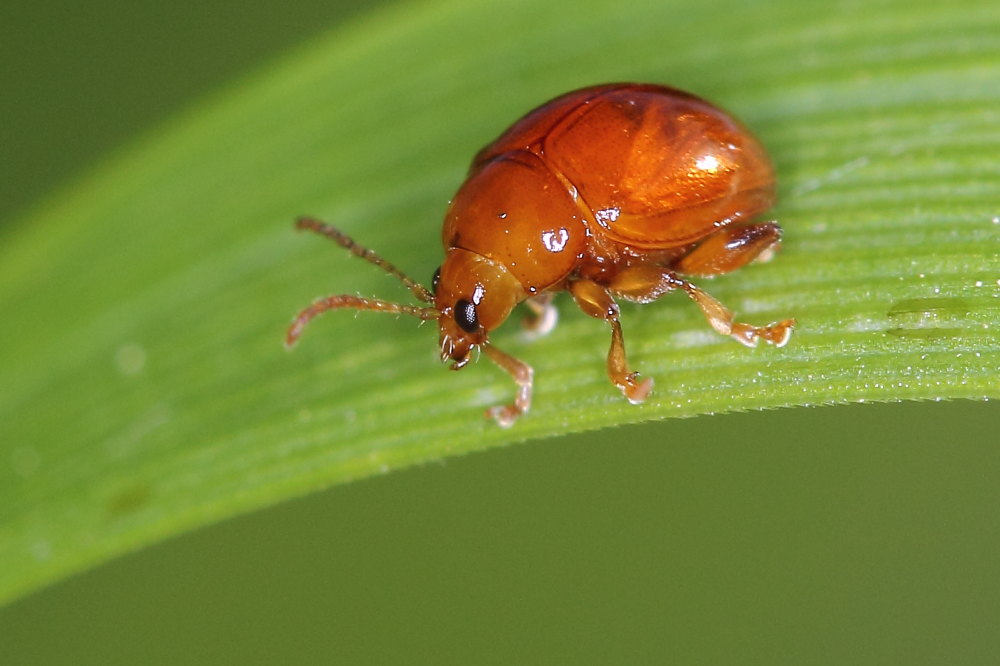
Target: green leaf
x,y
145,390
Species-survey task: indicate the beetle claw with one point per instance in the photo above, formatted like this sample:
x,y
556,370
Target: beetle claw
x,y
637,392
504,415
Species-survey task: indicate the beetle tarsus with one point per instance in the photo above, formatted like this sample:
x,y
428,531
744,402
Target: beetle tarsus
x,y
777,334
543,317
523,375
637,391
504,415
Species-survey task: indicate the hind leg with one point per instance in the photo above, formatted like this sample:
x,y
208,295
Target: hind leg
x,y
730,248
644,284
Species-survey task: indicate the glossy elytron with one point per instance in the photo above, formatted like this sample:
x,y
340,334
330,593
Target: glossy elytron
x,y
616,190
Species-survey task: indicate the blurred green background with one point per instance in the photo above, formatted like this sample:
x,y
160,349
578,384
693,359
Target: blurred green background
x,y
861,534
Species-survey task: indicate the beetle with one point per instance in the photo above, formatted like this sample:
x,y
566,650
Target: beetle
x,y
613,191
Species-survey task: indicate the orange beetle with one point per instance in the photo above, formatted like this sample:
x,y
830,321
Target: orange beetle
x,y
610,191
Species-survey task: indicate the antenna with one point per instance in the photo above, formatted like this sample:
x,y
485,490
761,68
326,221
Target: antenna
x,y
347,301
346,242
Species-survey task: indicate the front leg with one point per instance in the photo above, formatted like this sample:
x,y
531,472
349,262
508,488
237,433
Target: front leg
x,y
523,376
597,302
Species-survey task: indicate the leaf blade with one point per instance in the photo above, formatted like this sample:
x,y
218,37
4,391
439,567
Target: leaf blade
x,y
146,391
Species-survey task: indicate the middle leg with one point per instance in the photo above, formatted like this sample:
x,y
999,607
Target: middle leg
x,y
597,302
543,317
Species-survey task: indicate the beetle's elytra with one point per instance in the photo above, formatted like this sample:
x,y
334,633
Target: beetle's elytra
x,y
616,190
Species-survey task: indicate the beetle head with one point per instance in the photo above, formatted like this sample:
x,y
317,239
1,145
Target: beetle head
x,y
474,295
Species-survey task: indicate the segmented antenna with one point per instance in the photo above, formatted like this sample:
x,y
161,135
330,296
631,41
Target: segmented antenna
x,y
345,301
346,242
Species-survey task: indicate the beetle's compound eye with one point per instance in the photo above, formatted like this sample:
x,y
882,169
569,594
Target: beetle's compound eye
x,y
435,280
466,316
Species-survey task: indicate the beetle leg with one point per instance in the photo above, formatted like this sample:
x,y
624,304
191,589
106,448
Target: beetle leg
x,y
543,315
597,302
721,319
647,283
730,248
522,374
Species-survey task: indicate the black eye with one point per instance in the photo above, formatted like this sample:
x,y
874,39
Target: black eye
x,y
435,280
465,315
